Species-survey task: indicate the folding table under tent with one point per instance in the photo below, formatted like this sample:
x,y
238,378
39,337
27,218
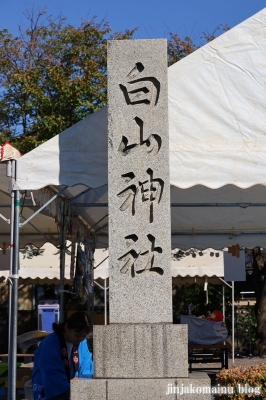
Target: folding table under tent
x,y
217,148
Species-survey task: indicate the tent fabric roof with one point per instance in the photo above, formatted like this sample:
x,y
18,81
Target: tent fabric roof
x,y
217,110
234,216
76,155
8,152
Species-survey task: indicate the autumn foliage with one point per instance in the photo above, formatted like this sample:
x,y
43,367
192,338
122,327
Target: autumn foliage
x,y
251,379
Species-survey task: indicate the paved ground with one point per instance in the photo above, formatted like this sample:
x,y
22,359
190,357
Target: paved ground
x,y
212,368
237,362
246,361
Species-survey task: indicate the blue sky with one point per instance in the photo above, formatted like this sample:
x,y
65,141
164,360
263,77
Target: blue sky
x,y
154,18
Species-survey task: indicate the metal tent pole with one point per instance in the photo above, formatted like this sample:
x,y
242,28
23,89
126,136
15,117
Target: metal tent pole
x,y
10,345
233,317
10,173
105,303
105,288
90,305
233,322
237,333
224,301
249,332
13,312
62,264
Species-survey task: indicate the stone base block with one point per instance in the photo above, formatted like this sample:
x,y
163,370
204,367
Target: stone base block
x,y
140,351
141,389
91,389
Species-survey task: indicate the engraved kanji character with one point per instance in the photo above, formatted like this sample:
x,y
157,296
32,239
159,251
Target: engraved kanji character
x,y
148,94
133,261
152,143
151,190
130,192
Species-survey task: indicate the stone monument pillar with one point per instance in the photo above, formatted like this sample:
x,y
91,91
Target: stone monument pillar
x,y
141,352
138,184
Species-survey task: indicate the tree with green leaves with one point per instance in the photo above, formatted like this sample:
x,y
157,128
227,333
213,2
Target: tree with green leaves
x,y
51,76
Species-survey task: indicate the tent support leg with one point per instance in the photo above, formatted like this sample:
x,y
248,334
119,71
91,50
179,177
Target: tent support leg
x,y
10,346
62,265
224,301
13,303
105,303
105,288
90,307
233,322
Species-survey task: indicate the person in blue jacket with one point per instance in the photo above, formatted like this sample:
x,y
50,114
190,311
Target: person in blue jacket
x,y
60,357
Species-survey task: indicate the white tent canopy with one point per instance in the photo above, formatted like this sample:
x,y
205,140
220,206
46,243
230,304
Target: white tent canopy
x,y
217,110
77,155
217,138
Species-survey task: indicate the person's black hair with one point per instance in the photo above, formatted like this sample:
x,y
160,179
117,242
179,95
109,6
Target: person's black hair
x,y
78,321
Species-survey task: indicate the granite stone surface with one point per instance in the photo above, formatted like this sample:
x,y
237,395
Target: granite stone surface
x,y
141,389
138,182
156,389
88,389
140,351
